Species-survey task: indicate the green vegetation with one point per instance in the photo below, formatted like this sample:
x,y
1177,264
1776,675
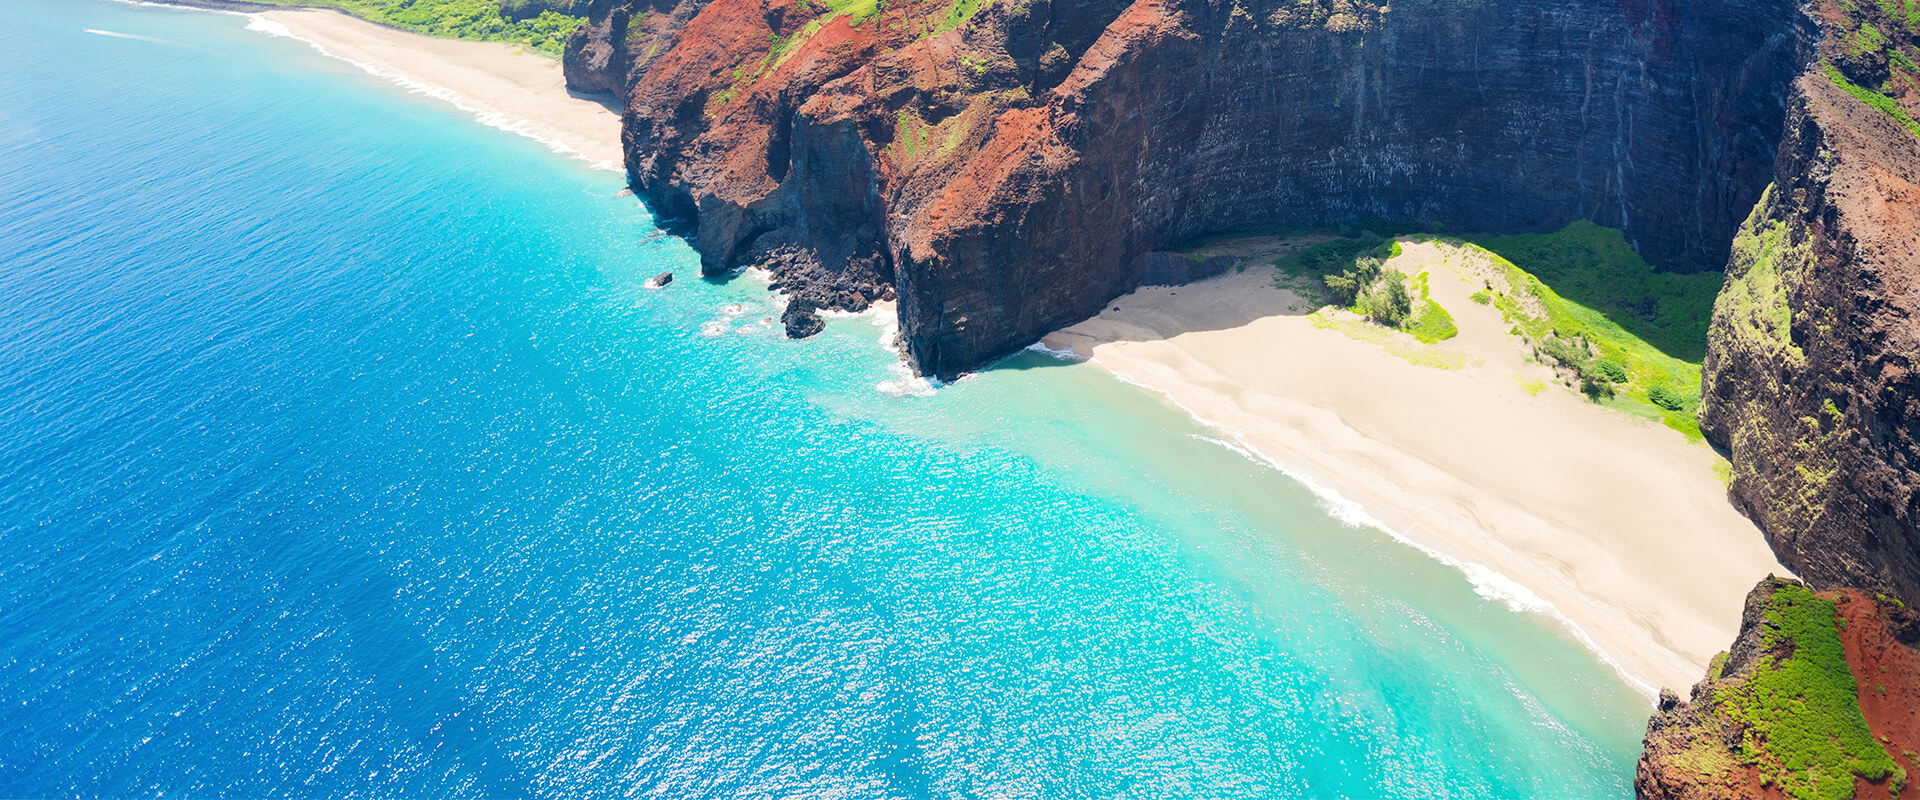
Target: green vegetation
x,y
1404,347
481,20
1386,300
1431,323
958,14
1666,398
1799,706
1631,336
1353,274
1336,264
856,11
1595,267
1623,329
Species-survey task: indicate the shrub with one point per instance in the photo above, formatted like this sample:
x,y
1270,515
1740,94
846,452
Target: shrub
x,y
1348,286
1483,297
1388,302
1610,369
1566,353
1666,398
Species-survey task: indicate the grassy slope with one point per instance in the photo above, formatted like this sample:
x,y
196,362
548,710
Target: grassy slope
x,y
1798,709
1596,268
478,20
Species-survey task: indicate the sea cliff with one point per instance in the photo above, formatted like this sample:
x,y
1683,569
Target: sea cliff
x,y
1005,169
1810,376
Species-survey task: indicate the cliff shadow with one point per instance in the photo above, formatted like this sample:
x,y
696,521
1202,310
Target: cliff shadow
x,y
607,100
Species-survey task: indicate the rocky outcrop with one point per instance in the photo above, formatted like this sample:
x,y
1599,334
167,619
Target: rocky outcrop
x,y
619,39
1810,376
1006,168
1815,699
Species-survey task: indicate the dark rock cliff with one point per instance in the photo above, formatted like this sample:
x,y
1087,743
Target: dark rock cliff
x,y
1810,376
1007,167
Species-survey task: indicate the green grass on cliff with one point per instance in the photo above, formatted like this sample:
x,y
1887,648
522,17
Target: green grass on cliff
x,y
1876,100
1799,706
478,20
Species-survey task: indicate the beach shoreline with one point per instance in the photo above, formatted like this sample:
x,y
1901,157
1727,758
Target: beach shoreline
x,y
502,85
1655,610
1616,527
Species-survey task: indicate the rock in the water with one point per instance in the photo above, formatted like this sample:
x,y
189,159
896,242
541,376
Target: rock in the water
x,y
662,279
802,318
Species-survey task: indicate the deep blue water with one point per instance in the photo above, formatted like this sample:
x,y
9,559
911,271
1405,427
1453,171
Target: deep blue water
x,y
343,452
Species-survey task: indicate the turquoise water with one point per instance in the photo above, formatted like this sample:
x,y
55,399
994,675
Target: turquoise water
x,y
343,451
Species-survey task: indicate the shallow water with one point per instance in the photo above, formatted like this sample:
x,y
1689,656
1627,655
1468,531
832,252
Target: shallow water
x,y
343,451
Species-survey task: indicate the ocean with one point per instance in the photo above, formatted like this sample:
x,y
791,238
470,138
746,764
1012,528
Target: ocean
x,y
344,451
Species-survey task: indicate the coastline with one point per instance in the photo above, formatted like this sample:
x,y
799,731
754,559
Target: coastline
x,y
1615,526
502,85
1639,602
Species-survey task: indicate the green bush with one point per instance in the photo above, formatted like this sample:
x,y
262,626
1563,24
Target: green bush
x,y
1387,301
1483,297
1347,286
1610,369
1666,398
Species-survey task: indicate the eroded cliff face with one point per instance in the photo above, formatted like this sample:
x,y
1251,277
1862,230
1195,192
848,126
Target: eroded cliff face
x,y
1810,376
1006,168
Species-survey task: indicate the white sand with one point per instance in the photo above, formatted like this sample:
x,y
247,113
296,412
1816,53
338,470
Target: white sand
x,y
501,84
1618,523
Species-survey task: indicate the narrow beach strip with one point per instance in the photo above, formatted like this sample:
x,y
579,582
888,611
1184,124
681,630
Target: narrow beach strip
x,y
502,85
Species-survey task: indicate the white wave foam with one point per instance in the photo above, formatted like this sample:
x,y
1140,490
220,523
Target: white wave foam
x,y
1064,353
261,24
1490,584
836,313
491,119
903,382
119,35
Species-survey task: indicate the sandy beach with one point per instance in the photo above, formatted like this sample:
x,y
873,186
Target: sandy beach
x,y
1619,524
503,85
